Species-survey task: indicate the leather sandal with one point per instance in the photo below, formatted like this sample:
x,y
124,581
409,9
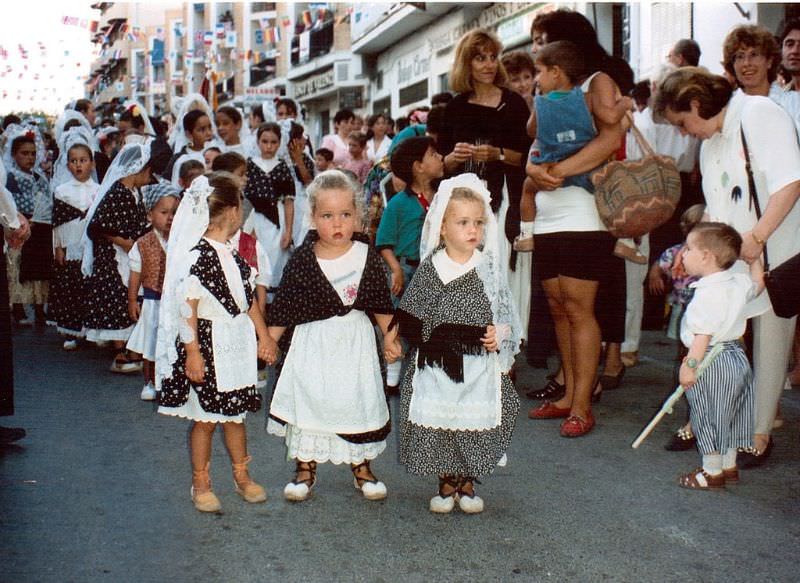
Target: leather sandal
x,y
699,479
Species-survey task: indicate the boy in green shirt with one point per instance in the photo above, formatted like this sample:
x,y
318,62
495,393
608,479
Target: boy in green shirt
x,y
417,163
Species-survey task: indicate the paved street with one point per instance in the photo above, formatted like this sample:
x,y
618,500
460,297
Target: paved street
x,y
99,491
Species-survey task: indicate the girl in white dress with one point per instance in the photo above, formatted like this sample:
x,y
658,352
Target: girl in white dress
x,y
210,332
329,402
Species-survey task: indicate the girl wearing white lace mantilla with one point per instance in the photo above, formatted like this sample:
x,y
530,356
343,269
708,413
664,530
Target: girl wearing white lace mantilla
x,y
210,333
458,405
74,191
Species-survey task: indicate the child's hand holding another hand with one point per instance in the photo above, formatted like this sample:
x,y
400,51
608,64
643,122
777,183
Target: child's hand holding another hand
x,y
268,350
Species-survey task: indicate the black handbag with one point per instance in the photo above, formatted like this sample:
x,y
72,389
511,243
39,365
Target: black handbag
x,y
783,282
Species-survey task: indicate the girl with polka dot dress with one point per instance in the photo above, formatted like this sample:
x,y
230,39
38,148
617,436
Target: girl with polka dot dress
x,y
329,404
458,406
271,190
115,220
210,333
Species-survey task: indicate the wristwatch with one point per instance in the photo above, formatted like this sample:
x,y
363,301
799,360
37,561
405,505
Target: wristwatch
x,y
691,362
502,156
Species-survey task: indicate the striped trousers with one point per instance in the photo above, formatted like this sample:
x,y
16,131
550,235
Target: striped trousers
x,y
722,402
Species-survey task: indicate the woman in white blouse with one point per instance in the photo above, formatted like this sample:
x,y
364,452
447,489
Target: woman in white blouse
x,y
704,105
377,142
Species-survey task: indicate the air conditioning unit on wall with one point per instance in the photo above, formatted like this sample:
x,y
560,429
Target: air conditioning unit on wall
x,y
342,72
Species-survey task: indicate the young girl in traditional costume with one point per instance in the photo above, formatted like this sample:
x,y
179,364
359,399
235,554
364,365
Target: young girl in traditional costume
x,y
271,189
116,219
148,262
29,267
72,199
210,333
458,405
329,403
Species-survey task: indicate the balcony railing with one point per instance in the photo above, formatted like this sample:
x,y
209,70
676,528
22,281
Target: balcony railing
x,y
320,43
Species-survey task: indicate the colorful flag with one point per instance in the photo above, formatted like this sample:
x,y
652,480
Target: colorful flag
x,y
208,38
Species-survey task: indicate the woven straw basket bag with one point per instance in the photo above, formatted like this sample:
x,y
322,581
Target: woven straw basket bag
x,y
635,197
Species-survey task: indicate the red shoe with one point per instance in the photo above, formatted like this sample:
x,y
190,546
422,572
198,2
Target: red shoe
x,y
548,411
575,426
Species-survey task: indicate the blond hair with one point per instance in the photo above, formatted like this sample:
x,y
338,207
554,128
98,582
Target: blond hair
x,y
471,45
336,180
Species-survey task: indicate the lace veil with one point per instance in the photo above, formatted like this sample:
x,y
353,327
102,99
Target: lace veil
x,y
491,270
188,227
72,137
177,137
132,159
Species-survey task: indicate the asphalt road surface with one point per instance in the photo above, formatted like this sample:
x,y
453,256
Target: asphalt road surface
x,y
99,491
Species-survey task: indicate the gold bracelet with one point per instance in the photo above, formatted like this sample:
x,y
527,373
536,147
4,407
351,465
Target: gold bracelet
x,y
761,242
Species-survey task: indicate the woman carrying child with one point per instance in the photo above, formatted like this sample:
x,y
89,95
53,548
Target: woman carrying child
x,y
210,334
329,402
458,405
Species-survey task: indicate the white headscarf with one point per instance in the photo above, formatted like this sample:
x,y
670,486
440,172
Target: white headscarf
x,y
177,137
491,270
15,131
188,227
72,137
68,116
132,158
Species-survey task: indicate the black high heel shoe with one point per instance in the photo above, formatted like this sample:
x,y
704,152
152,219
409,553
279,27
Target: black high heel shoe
x,y
611,382
552,391
750,458
597,393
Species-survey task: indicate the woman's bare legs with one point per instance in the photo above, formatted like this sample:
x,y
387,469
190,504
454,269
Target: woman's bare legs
x,y
578,335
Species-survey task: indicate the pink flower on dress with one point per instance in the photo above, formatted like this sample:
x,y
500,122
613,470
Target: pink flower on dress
x,y
350,292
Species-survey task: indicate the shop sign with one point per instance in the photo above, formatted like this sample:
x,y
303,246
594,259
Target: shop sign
x,y
489,18
313,85
261,91
413,66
